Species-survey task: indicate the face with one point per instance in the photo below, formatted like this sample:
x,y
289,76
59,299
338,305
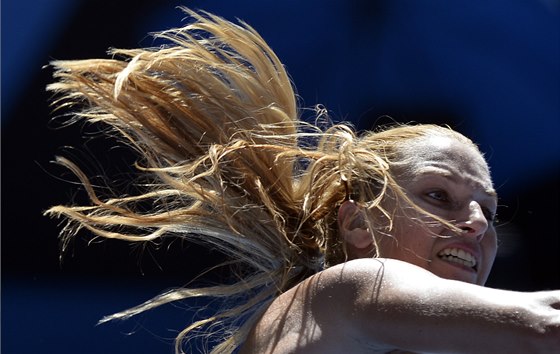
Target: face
x,y
448,178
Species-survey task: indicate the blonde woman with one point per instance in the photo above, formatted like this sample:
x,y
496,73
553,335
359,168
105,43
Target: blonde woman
x,y
340,242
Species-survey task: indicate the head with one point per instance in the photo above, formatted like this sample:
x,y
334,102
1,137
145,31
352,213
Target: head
x,y
435,207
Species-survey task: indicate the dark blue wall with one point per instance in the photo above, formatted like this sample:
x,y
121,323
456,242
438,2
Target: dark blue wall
x,y
488,68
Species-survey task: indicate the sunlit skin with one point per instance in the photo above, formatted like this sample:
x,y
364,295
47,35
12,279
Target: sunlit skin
x,y
403,302
450,179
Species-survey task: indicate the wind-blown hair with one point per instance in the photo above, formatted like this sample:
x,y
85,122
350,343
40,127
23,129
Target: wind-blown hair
x,y
214,119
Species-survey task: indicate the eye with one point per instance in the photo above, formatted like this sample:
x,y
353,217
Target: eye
x,y
438,195
491,216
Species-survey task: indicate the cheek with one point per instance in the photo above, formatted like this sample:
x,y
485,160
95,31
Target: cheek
x,y
408,241
489,249
490,246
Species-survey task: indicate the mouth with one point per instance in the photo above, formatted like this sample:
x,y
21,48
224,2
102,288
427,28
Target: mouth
x,y
459,256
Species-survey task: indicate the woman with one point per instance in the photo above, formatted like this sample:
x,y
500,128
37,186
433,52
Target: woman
x,y
339,242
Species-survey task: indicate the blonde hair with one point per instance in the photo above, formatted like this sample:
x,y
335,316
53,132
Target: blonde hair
x,y
214,118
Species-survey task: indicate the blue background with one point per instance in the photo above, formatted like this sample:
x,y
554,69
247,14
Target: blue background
x,y
490,69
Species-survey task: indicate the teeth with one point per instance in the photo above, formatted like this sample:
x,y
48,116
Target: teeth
x,y
458,256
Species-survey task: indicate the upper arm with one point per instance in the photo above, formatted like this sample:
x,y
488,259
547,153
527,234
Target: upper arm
x,y
371,301
388,304
376,305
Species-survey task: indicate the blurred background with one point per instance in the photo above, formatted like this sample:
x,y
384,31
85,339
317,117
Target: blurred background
x,y
490,69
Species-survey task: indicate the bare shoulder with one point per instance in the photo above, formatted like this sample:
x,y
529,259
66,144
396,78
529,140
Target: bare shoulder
x,y
384,306
319,315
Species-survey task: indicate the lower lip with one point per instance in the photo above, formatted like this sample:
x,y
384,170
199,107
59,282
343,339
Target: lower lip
x,y
460,266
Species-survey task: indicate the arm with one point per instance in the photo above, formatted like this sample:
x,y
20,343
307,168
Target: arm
x,y
395,305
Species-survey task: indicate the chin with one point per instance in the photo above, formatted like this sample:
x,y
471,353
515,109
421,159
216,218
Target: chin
x,y
466,276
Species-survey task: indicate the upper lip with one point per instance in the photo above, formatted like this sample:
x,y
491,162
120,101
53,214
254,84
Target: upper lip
x,y
468,248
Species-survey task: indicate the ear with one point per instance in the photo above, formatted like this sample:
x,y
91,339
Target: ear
x,y
353,230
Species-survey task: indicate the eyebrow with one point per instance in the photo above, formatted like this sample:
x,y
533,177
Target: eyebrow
x,y
426,171
491,192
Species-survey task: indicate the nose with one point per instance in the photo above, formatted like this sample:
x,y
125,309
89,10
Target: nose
x,y
475,223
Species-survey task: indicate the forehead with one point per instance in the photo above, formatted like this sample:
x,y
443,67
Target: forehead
x,y
447,156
